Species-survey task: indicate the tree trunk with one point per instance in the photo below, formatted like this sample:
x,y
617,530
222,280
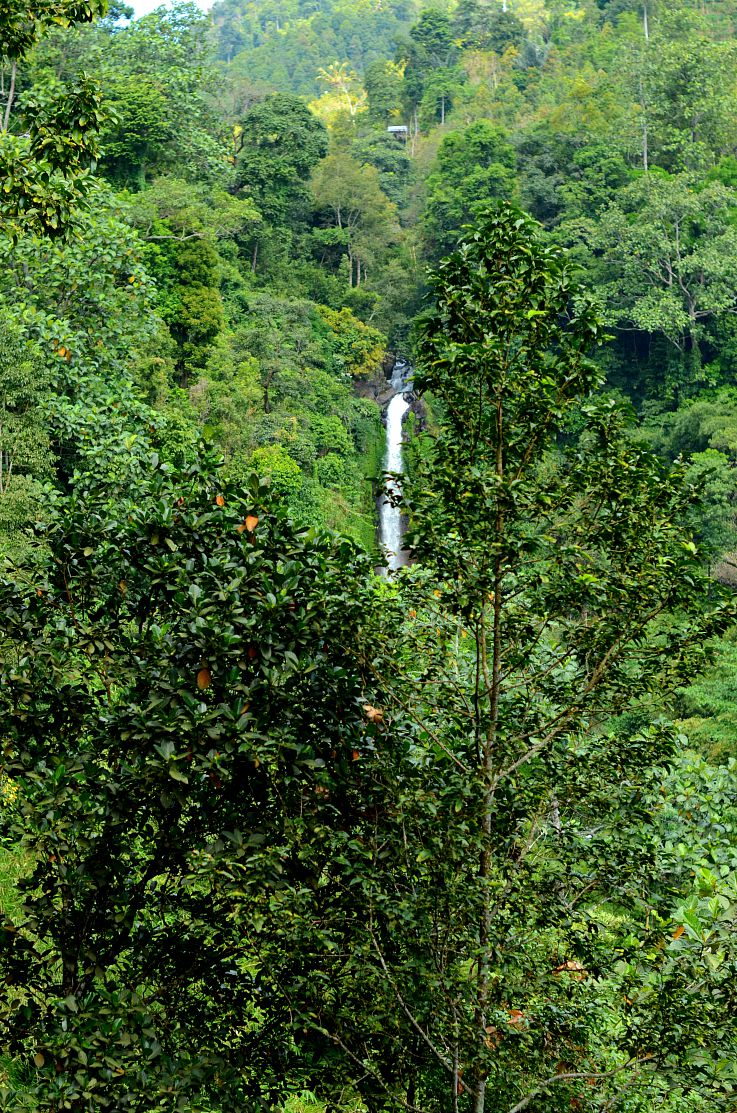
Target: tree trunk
x,y
11,95
645,153
492,685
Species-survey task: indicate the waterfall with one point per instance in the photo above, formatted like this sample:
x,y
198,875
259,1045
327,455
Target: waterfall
x,y
390,517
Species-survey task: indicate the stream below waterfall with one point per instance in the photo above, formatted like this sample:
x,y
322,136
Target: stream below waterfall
x,y
390,517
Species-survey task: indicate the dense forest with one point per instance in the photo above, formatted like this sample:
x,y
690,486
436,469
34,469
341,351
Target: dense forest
x,y
283,829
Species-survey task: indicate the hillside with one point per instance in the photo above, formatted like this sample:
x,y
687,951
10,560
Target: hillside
x,y
284,827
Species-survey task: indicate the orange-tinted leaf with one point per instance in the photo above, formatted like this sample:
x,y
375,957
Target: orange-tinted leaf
x,y
355,755
204,678
679,931
251,522
220,500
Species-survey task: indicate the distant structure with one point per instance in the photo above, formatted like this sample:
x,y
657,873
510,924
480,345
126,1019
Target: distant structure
x,y
399,131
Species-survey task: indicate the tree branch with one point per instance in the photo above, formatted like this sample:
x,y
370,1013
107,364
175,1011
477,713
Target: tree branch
x,y
568,1075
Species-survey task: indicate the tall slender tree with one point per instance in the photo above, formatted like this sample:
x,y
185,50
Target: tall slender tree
x,y
559,597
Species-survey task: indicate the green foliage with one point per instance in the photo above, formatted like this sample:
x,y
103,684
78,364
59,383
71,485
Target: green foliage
x,y
281,142
23,389
714,523
483,27
685,96
24,23
86,300
390,158
561,558
473,167
358,348
283,47
670,251
185,229
700,424
429,56
359,217
502,883
703,431
144,124
708,709
157,76
25,455
383,82
165,695
284,473
45,172
277,393
308,1103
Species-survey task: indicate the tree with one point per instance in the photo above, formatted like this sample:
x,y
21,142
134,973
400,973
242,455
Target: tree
x,y
145,128
359,349
185,227
181,724
45,163
24,443
346,87
685,83
430,48
473,167
362,216
559,594
441,92
433,33
559,608
391,159
280,144
669,251
383,84
85,299
158,75
487,27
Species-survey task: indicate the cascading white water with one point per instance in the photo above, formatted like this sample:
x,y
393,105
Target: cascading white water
x,y
390,517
